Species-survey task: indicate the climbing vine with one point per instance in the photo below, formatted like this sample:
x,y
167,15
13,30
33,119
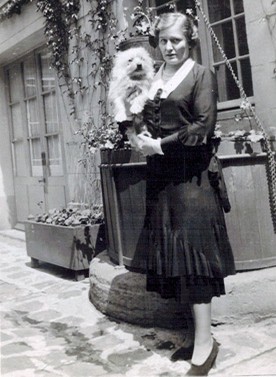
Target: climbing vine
x,y
11,8
81,53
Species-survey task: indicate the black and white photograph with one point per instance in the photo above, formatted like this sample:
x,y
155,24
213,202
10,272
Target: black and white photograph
x,y
138,188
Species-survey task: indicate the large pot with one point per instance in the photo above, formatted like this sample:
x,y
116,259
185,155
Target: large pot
x,y
249,223
65,246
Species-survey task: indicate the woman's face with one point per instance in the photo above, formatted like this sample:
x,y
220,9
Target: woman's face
x,y
173,45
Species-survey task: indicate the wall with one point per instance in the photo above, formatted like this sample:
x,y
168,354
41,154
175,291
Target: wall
x,y
261,34
7,199
19,35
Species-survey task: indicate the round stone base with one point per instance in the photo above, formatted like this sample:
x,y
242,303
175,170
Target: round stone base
x,y
122,295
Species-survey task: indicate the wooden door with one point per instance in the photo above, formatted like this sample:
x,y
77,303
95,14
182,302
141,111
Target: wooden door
x,y
36,138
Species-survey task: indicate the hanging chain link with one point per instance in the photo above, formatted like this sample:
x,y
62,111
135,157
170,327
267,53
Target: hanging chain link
x,y
270,163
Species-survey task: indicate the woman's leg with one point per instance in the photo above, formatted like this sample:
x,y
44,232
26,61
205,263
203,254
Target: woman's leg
x,y
203,339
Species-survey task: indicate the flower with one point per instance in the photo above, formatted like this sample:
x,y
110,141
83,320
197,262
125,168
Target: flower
x,y
143,20
238,135
71,216
96,137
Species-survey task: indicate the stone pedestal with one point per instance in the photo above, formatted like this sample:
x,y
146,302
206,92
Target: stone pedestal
x,y
122,295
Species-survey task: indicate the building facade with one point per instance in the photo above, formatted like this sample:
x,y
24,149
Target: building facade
x,y
39,150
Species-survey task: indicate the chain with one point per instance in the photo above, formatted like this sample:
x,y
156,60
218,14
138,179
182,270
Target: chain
x,y
270,163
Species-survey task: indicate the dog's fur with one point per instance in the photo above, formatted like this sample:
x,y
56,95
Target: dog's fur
x,y
133,70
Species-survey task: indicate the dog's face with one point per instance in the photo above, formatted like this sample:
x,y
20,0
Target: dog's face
x,y
135,62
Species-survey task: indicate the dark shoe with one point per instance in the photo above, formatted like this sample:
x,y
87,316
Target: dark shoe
x,y
183,353
204,369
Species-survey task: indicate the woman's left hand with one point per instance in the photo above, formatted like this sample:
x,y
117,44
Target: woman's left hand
x,y
149,146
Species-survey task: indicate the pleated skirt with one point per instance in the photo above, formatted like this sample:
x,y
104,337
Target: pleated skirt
x,y
188,251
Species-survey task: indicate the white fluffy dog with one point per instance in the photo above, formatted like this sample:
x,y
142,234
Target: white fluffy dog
x,y
133,71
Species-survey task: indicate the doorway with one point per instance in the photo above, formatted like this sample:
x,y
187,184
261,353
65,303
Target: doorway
x,y
36,136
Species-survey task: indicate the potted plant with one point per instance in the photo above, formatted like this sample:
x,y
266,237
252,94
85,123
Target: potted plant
x,y
68,238
240,141
139,32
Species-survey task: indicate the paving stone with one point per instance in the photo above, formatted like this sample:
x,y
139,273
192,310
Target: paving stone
x,y
106,341
11,269
80,369
20,274
69,294
46,373
55,358
45,284
11,364
72,320
45,315
25,333
30,306
5,337
17,347
125,359
9,291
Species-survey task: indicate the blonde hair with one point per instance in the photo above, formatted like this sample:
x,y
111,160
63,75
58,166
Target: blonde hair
x,y
189,28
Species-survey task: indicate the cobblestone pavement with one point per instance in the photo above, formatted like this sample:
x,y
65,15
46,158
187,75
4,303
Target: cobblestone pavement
x,y
49,328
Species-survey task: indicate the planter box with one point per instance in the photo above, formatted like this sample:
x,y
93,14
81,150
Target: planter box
x,y
123,175
68,247
249,223
227,147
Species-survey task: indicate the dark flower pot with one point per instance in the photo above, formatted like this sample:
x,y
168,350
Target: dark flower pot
x,y
65,246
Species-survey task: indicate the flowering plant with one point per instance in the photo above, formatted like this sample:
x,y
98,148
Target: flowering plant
x,y
104,136
241,135
71,216
143,19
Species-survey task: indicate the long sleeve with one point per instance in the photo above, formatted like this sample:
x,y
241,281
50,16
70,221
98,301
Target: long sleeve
x,y
202,111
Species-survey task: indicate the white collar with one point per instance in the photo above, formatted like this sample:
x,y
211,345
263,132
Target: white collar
x,y
170,85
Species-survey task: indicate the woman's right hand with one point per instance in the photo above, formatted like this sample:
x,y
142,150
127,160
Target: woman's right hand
x,y
133,139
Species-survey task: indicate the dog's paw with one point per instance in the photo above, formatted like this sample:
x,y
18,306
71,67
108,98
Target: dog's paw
x,y
136,108
120,116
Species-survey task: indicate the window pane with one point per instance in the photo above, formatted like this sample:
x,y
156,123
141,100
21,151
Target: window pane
x,y
238,6
163,6
32,117
54,154
218,10
169,6
183,5
47,74
51,113
35,153
29,77
224,32
16,121
14,83
19,159
227,87
247,77
241,35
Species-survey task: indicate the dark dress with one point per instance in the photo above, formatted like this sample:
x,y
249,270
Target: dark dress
x,y
188,251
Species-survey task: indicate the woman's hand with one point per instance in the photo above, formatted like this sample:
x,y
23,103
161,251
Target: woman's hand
x,y
133,138
149,146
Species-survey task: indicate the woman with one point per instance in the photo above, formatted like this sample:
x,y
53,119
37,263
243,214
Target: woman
x,y
189,252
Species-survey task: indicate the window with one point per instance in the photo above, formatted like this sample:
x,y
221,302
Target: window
x,y
34,116
227,19
228,22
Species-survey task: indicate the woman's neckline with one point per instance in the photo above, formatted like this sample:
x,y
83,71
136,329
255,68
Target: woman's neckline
x,y
169,71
